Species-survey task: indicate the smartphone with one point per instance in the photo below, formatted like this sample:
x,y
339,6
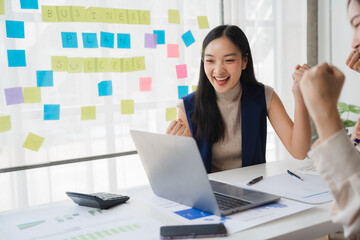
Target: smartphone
x,y
193,231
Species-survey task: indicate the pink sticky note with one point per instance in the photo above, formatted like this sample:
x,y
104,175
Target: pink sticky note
x,y
181,71
172,50
145,84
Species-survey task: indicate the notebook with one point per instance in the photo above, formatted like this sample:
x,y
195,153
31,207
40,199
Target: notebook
x,y
176,172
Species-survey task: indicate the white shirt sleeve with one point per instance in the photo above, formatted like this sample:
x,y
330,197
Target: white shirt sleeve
x,y
338,162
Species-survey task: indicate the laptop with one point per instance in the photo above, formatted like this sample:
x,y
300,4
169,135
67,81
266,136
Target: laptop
x,y
176,172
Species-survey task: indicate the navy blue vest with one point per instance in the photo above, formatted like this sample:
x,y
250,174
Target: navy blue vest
x,y
253,126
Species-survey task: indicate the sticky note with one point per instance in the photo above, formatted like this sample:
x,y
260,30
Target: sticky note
x,y
109,15
51,111
107,39
123,40
2,7
182,91
75,65
89,65
45,78
90,40
150,40
49,13
32,95
115,64
95,14
188,38
64,13
33,142
127,106
29,4
78,14
127,65
105,88
181,71
121,16
14,95
103,65
194,88
203,22
172,50
170,114
88,113
133,17
144,17
145,84
160,36
15,29
16,58
59,63
174,16
5,123
138,63
69,40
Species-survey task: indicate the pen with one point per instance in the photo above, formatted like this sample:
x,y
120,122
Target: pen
x,y
356,142
255,180
294,175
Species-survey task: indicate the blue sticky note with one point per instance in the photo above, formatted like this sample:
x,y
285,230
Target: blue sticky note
x,y
16,58
192,213
69,40
188,38
123,40
107,40
105,88
183,91
15,29
29,4
44,78
90,40
51,111
160,36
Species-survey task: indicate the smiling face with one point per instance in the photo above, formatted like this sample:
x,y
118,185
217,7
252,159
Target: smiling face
x,y
354,18
223,64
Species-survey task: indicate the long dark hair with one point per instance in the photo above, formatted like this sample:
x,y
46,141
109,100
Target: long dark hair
x,y
207,117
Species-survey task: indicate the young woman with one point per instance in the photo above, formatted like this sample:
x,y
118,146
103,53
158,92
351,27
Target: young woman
x,y
227,113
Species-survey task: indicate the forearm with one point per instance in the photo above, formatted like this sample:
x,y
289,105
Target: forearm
x,y
327,123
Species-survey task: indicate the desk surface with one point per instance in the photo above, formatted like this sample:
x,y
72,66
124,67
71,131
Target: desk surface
x,y
310,224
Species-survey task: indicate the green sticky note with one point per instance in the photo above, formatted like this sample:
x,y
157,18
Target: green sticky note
x,y
139,63
174,16
109,15
127,106
170,114
133,17
89,65
64,13
33,142
121,16
115,64
127,65
32,94
203,22
144,17
103,65
95,14
75,65
49,14
5,123
2,7
88,113
59,63
78,14
194,87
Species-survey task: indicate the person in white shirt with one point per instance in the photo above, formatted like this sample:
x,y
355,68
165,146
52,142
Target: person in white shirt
x,y
334,155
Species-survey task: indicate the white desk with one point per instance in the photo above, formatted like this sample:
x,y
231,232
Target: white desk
x,y
309,224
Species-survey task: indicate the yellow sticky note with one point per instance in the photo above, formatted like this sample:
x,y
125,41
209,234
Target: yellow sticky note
x,y
32,94
33,142
2,7
78,14
127,106
127,65
121,16
115,64
5,123
95,14
75,65
88,113
171,114
103,65
89,65
139,63
194,87
64,13
133,17
49,14
203,22
109,15
144,17
174,16
59,63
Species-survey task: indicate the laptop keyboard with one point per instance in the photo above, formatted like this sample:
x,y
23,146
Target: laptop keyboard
x,y
226,203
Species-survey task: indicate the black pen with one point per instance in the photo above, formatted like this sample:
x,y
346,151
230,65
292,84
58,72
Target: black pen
x,y
255,180
293,174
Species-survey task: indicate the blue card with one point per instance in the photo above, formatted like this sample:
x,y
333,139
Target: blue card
x,y
16,58
188,38
160,36
183,91
192,213
44,78
90,40
105,88
29,4
15,29
123,40
107,40
69,40
51,111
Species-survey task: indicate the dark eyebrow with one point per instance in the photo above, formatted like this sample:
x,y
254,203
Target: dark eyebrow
x,y
226,55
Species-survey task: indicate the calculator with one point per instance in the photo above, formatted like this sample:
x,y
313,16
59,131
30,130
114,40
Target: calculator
x,y
98,200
